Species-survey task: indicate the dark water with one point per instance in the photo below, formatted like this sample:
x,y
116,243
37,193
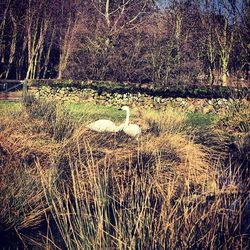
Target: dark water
x,y
10,239
30,238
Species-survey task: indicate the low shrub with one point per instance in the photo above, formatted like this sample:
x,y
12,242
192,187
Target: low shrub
x,y
167,121
236,118
55,117
200,120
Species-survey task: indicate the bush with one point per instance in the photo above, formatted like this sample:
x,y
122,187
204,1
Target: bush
x,y
236,118
56,119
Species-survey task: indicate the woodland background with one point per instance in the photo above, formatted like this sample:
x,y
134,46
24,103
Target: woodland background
x,y
167,41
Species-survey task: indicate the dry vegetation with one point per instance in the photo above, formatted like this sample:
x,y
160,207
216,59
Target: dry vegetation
x,y
170,190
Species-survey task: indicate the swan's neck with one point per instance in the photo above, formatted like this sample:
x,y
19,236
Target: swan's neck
x,y
127,118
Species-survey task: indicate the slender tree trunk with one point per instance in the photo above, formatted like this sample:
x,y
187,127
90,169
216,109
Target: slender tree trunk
x,y
178,28
225,41
66,47
47,57
35,47
13,45
2,30
21,64
211,57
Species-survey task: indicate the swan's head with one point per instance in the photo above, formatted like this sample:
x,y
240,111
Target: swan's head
x,y
125,108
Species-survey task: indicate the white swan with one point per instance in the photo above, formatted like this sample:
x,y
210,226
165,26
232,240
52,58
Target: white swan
x,y
132,130
103,125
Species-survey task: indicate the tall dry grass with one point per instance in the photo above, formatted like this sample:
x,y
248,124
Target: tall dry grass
x,y
23,140
133,205
170,120
236,119
102,191
53,117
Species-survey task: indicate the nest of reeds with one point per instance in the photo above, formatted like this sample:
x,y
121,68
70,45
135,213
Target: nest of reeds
x,y
167,159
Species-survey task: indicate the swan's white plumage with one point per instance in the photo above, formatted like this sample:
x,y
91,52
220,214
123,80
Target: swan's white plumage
x,y
103,125
132,130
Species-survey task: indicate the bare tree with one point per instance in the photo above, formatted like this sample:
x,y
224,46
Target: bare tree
x,y
3,25
211,51
37,27
168,41
99,34
225,38
13,44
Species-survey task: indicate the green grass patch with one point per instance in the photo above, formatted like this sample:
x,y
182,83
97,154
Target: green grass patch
x,y
79,111
9,106
91,111
200,120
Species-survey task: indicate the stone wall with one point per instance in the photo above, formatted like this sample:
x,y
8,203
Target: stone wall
x,y
139,99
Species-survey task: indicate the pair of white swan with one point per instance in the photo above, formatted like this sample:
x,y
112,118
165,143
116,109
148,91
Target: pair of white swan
x,y
103,125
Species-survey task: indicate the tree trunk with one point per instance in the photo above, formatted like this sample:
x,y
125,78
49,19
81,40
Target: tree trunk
x,y
13,45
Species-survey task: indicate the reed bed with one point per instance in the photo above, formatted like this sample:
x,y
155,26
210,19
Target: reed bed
x,y
169,190
104,206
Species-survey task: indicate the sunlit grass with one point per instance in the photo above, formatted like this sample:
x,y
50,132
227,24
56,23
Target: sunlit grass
x,y
127,205
8,106
170,120
200,120
91,112
103,190
85,112
80,112
104,206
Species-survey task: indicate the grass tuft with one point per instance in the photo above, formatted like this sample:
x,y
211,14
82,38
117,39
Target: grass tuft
x,y
54,117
